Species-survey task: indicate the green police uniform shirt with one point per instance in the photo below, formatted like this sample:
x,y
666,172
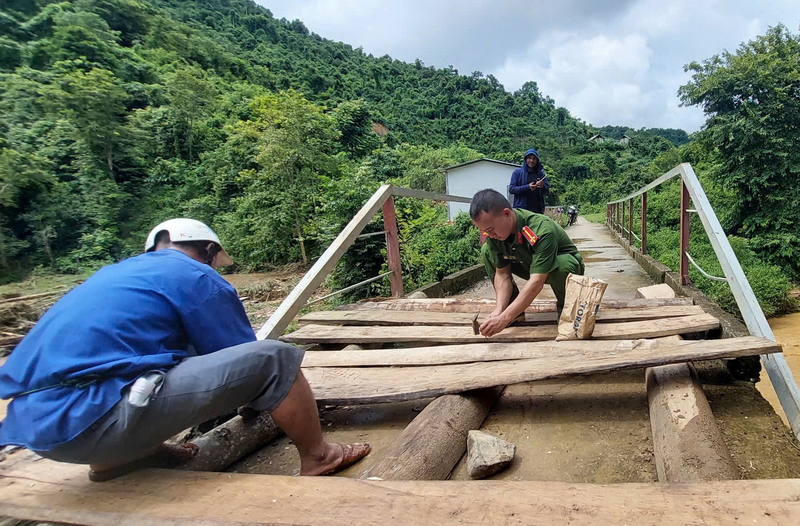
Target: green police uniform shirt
x,y
534,248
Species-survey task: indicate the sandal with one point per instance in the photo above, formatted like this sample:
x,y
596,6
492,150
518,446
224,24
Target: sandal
x,y
352,453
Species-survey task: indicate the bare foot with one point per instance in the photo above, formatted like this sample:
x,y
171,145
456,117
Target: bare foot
x,y
337,457
166,456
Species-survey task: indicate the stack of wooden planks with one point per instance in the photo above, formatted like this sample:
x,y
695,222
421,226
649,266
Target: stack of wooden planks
x,y
522,353
443,321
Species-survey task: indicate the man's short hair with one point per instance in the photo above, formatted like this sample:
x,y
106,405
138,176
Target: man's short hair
x,y
490,201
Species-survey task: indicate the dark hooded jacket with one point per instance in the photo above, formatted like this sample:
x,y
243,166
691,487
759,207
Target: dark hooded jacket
x,y
521,178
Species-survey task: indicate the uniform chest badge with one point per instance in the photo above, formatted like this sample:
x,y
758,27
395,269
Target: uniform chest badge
x,y
529,235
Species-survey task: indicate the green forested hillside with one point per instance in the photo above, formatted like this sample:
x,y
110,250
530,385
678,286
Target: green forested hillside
x,y
120,113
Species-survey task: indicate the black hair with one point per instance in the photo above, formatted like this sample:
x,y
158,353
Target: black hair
x,y
490,201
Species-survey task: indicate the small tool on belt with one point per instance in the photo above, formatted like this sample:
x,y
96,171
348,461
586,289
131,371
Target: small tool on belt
x,y
475,325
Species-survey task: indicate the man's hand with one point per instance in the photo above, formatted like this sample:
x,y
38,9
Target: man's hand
x,y
540,183
493,325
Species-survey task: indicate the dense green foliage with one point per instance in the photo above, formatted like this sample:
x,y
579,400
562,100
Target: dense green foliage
x,y
118,114
752,100
769,282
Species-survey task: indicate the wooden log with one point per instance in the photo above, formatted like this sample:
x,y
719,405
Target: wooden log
x,y
421,333
474,305
228,442
687,442
172,497
362,385
390,318
475,352
436,439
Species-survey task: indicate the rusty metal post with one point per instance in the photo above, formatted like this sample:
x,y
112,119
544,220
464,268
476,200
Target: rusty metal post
x,y
630,223
684,266
644,223
393,247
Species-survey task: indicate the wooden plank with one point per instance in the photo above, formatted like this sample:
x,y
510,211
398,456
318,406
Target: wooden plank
x,y
662,290
290,306
362,385
164,497
421,333
385,317
472,352
687,443
436,439
474,305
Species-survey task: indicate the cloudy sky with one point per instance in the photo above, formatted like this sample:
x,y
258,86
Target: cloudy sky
x,y
614,62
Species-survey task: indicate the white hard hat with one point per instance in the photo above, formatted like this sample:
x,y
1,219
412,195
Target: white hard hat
x,y
182,229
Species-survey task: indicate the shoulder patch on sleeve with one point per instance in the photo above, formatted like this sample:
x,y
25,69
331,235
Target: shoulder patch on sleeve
x,y
529,235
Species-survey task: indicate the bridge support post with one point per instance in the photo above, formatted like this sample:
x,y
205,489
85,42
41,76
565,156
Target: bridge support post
x,y
630,223
393,247
684,265
643,231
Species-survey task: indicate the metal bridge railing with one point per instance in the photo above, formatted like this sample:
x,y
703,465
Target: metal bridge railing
x,y
383,199
692,192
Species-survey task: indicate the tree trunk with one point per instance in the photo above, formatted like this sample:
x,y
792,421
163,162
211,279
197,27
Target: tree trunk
x,y
228,442
300,238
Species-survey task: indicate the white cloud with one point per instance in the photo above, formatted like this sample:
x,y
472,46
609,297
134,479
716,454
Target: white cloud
x,y
613,62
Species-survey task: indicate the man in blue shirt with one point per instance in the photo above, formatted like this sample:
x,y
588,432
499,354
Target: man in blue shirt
x,y
529,184
146,348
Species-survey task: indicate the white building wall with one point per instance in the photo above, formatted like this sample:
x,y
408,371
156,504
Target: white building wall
x,y
465,181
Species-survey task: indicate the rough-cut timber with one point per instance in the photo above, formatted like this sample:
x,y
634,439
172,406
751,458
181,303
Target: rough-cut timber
x,y
477,352
474,305
163,497
421,333
662,290
228,442
388,318
436,439
687,443
361,385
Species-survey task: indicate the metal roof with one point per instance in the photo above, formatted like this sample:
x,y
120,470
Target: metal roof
x,y
479,160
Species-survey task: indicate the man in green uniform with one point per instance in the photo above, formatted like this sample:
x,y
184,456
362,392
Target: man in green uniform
x,y
531,246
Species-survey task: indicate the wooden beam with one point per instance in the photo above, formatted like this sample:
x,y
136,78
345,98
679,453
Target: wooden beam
x,y
474,305
687,443
164,497
477,352
362,385
421,333
296,299
432,444
385,317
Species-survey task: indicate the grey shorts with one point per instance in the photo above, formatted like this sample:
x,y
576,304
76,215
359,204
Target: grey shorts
x,y
258,374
